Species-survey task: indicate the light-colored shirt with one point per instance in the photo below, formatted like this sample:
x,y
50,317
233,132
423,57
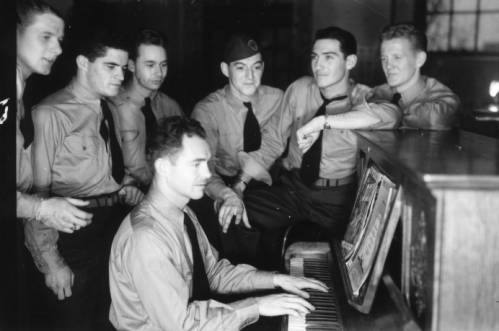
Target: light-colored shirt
x,y
222,115
151,272
130,123
26,204
428,104
299,104
70,157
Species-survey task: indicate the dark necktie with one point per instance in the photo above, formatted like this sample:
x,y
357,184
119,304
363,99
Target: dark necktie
x,y
150,121
311,161
108,133
200,284
27,128
252,134
396,98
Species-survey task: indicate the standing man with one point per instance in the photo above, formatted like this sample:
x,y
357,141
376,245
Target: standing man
x,y
36,55
163,271
424,102
140,105
76,154
234,118
320,185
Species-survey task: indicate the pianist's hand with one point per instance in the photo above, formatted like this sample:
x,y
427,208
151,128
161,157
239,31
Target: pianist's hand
x,y
283,304
296,285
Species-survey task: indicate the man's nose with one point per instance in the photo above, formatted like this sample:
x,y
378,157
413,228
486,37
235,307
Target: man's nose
x,y
206,171
56,49
249,73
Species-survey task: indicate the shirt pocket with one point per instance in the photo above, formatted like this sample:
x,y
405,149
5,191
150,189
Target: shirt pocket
x,y
81,144
128,136
80,158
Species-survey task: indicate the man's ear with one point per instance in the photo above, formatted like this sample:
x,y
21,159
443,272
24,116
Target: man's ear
x,y
161,165
224,67
420,58
82,62
131,65
351,61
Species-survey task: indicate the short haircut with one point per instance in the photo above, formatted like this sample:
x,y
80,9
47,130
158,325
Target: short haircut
x,y
407,31
98,40
27,9
146,37
168,137
348,44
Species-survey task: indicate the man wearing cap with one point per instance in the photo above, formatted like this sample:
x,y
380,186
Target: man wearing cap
x,y
234,117
140,105
317,114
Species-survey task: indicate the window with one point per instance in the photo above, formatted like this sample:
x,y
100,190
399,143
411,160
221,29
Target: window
x,y
462,25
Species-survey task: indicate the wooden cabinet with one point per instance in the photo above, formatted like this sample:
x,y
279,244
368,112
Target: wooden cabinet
x,y
450,223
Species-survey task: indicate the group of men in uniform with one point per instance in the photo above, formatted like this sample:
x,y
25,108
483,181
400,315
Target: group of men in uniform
x,y
107,144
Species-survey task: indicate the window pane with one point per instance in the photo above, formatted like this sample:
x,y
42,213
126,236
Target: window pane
x,y
437,32
463,32
437,5
488,38
489,4
465,5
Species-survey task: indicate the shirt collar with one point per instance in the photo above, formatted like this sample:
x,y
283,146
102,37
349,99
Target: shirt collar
x,y
237,103
81,93
20,82
318,97
413,91
167,210
131,94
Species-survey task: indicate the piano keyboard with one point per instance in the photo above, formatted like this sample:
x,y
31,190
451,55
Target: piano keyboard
x,y
326,316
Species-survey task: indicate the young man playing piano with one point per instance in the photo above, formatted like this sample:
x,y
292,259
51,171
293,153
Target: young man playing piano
x,y
318,181
424,102
164,272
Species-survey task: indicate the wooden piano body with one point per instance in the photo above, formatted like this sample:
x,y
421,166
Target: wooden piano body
x,y
450,223
446,251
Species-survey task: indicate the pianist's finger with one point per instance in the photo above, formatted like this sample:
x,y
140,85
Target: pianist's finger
x,y
316,284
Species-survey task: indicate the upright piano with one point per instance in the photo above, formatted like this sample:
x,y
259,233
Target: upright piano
x,y
443,261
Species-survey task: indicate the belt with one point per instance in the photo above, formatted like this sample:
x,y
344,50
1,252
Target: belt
x,y
103,200
333,182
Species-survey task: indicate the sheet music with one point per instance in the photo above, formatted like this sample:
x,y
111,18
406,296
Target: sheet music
x,y
366,230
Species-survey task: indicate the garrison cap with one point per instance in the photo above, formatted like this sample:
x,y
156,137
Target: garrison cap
x,y
240,46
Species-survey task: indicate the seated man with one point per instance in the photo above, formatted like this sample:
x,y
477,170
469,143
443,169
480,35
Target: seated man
x,y
163,270
425,103
318,186
233,117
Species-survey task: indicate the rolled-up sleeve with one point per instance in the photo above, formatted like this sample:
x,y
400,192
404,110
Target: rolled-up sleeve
x,y
385,115
439,111
216,188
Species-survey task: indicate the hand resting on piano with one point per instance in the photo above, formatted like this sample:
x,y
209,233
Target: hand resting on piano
x,y
292,303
